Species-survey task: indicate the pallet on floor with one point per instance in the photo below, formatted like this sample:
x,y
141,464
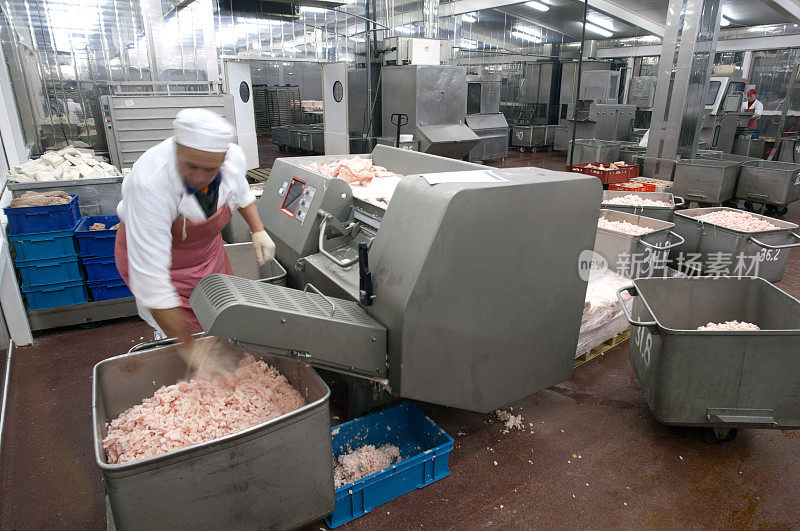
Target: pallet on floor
x,y
602,348
258,175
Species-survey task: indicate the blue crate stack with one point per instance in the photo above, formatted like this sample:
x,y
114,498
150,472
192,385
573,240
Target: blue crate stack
x,y
45,254
96,249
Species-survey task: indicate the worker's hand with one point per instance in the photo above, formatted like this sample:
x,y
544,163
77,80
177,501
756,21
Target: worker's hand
x,y
264,247
209,358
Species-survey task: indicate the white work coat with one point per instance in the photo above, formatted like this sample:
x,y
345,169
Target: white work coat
x,y
758,110
153,196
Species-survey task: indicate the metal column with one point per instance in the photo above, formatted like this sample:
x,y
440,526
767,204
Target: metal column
x,y
430,13
687,57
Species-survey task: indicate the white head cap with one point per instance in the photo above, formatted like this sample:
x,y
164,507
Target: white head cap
x,y
202,129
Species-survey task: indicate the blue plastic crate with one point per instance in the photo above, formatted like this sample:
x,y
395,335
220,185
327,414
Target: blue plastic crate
x,y
109,289
101,268
424,449
55,295
96,242
50,271
28,220
44,245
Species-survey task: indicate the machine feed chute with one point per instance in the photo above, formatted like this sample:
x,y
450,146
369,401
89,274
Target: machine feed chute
x,y
471,272
305,325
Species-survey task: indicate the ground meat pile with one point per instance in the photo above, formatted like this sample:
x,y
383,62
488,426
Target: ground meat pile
x,y
34,199
737,220
623,226
355,170
102,226
635,200
362,462
200,410
729,325
510,421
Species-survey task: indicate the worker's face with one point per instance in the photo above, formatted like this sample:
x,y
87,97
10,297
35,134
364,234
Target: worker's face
x,y
751,98
198,168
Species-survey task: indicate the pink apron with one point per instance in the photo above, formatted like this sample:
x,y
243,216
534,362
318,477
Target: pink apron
x,y
196,253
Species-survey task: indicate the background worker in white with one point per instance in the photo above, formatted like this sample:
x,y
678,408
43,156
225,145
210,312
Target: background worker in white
x,y
178,197
752,105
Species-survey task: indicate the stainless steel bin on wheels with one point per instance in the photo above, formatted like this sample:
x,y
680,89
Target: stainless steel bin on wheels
x,y
722,380
275,475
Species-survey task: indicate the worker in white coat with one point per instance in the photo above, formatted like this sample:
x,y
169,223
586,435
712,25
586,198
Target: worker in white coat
x,y
752,105
178,197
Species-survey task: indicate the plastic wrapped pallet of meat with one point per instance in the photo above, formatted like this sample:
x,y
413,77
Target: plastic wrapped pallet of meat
x,y
602,313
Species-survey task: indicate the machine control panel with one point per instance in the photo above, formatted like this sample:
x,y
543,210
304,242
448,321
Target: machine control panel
x,y
297,198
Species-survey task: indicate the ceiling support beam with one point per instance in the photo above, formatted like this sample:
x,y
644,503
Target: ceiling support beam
x,y
630,17
459,7
787,8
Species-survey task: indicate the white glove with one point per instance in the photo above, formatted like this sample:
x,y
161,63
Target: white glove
x,y
264,247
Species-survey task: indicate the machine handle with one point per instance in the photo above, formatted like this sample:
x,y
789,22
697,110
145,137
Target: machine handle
x,y
633,293
773,247
364,275
676,198
715,138
696,194
318,292
402,119
325,253
666,247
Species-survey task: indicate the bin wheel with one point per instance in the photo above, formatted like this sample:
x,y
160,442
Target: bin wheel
x,y
748,206
718,435
90,325
521,150
770,210
782,211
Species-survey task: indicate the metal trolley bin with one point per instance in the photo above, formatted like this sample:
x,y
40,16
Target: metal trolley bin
x,y
633,256
275,475
705,180
721,380
771,183
770,248
664,213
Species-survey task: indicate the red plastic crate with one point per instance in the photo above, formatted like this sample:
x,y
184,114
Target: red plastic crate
x,y
605,176
632,187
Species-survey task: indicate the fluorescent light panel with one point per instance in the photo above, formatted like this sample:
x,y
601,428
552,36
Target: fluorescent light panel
x,y
531,32
466,17
600,22
539,6
525,36
598,30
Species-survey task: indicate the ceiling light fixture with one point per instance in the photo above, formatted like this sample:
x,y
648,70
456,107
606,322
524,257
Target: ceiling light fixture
x,y
600,22
531,32
539,6
598,30
309,9
466,17
525,36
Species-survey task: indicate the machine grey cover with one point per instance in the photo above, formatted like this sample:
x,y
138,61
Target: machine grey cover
x,y
478,285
